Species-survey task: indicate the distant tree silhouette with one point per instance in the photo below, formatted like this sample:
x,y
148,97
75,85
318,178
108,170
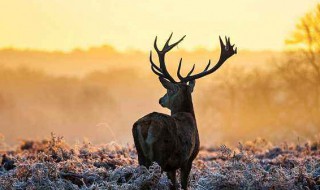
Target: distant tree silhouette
x,y
301,70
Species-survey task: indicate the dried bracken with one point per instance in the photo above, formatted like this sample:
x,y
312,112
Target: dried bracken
x,y
52,164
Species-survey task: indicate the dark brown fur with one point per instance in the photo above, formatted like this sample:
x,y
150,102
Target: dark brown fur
x,y
176,139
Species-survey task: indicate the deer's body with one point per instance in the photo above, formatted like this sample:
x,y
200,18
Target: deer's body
x,y
173,140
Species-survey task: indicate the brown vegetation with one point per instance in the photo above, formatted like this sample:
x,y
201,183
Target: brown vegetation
x,y
255,165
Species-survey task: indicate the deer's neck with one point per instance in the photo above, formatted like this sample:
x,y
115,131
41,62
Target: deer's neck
x,y
185,105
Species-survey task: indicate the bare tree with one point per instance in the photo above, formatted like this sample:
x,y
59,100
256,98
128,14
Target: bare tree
x,y
305,45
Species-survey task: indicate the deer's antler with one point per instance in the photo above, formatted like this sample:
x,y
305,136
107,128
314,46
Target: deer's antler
x,y
162,70
226,52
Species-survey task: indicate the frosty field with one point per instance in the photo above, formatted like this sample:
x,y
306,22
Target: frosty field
x,y
52,164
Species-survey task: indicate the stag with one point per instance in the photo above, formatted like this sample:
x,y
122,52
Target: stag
x,y
173,140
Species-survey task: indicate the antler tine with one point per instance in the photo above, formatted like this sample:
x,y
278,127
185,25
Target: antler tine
x,y
169,47
167,42
226,52
207,67
155,45
153,64
221,43
227,41
157,72
166,46
155,68
190,72
179,68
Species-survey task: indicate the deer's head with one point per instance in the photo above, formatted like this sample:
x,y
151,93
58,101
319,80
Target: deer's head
x,y
176,94
179,93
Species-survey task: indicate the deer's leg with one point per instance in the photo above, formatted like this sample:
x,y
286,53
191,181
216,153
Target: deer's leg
x,y
185,171
172,177
141,157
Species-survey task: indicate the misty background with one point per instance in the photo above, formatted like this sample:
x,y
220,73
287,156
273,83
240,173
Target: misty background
x,y
99,92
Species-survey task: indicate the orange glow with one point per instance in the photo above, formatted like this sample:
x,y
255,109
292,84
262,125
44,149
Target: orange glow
x,y
80,68
64,25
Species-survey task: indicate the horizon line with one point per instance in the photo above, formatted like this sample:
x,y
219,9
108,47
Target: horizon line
x,y
127,50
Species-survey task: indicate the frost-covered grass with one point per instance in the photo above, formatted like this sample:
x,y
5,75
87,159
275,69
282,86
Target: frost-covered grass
x,y
52,164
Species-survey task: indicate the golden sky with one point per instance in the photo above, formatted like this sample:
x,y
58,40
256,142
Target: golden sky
x,y
66,24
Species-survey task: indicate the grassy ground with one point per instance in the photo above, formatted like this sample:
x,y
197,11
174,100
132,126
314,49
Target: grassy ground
x,y
52,164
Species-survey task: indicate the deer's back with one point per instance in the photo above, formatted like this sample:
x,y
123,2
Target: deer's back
x,y
168,140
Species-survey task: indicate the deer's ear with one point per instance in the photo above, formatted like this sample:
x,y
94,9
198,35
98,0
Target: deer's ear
x,y
192,84
167,84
